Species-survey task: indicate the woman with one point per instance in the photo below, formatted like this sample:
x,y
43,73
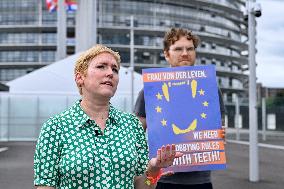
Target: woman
x,y
93,144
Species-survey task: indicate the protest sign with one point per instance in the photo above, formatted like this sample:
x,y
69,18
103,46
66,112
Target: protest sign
x,y
182,107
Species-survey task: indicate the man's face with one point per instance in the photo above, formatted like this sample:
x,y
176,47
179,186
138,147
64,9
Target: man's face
x,y
181,53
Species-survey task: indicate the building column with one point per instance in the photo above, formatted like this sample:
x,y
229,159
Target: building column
x,y
86,25
61,30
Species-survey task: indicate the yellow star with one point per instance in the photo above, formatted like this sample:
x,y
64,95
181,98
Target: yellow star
x,y
201,92
205,103
203,115
164,122
159,96
158,109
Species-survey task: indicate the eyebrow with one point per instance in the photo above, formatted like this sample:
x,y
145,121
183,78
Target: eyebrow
x,y
184,46
104,63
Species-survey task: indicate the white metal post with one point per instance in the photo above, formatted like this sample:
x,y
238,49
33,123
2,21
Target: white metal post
x,y
263,119
253,138
132,60
237,118
40,36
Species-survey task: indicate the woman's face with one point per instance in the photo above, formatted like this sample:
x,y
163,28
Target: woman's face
x,y
102,76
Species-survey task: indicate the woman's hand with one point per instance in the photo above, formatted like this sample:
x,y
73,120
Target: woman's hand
x,y
165,158
44,187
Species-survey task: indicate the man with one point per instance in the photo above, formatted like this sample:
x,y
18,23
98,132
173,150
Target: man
x,y
179,50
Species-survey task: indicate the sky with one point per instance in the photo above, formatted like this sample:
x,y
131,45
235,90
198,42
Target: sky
x,y
270,44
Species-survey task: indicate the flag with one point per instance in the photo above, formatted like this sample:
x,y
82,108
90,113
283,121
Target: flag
x,y
51,5
71,5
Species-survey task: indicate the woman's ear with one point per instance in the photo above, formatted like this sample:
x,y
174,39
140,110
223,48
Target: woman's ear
x,y
79,79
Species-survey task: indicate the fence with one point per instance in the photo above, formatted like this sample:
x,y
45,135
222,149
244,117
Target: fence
x,y
22,115
270,113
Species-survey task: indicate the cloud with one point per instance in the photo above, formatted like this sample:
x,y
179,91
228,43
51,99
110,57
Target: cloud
x,y
270,71
270,49
270,44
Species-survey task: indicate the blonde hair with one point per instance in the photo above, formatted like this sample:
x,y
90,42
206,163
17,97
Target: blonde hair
x,y
85,58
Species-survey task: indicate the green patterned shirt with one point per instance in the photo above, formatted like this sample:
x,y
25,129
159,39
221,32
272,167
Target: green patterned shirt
x,y
72,151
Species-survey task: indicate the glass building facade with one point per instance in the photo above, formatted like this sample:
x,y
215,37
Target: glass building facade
x,y
28,35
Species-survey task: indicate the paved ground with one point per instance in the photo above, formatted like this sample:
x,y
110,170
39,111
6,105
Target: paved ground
x,y
236,176
16,167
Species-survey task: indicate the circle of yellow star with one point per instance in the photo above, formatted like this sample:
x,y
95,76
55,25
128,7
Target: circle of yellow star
x,y
159,96
203,115
164,122
158,109
205,103
201,92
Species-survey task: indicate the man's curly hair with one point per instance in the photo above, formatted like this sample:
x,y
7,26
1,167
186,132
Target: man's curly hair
x,y
174,34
